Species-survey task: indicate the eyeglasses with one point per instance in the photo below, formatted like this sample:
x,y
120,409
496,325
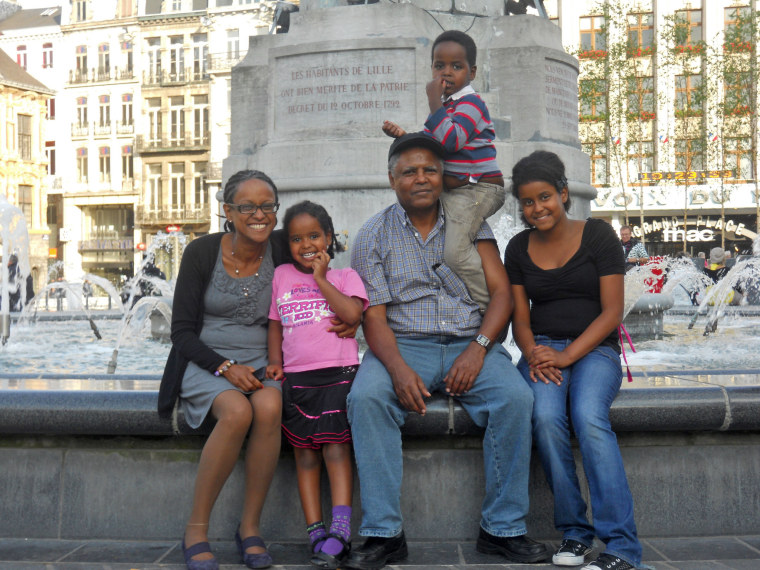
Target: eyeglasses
x,y
266,207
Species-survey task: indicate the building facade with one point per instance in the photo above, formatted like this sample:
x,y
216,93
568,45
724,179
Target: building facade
x,y
140,119
23,177
668,116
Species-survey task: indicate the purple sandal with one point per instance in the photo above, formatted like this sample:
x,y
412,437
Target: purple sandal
x,y
194,550
261,560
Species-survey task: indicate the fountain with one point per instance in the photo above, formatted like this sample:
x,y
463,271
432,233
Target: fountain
x,y
14,240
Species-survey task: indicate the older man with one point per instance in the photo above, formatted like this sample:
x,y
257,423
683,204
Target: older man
x,y
634,251
425,333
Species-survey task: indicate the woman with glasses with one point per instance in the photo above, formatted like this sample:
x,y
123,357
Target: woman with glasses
x,y
219,355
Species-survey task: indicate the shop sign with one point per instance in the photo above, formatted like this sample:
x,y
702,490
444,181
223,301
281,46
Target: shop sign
x,y
673,229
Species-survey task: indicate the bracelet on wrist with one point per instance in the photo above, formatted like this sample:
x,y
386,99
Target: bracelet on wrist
x,y
225,367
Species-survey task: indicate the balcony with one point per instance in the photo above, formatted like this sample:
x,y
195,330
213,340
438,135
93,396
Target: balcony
x,y
102,129
100,75
188,142
115,243
223,61
163,78
147,215
125,128
80,130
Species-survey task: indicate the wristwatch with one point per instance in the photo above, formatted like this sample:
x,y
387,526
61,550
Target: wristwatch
x,y
483,341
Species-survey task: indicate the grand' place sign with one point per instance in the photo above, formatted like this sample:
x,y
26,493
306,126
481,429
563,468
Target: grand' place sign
x,y
700,229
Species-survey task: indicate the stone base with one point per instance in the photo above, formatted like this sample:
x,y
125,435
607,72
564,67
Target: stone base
x,y
140,488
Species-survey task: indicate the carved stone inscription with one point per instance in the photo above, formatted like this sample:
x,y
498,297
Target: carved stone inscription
x,y
561,90
345,88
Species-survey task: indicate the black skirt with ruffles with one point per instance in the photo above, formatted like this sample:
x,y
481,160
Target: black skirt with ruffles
x,y
314,406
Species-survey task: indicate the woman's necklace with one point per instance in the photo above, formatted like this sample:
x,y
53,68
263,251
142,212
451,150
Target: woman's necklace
x,y
234,261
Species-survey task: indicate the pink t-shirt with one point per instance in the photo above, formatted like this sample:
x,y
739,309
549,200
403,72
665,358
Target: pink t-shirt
x,y
305,315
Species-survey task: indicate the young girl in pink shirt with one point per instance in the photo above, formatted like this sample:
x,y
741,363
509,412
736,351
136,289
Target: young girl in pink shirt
x,y
316,368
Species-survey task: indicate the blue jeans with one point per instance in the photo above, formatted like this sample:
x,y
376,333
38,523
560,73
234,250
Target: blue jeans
x,y
590,385
499,401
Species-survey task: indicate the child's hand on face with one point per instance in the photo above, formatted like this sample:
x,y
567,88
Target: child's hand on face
x,y
393,130
320,264
435,88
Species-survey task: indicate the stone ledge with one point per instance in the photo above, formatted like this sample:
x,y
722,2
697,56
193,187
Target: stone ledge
x,y
127,407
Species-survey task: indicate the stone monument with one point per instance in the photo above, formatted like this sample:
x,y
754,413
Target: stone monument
x,y
307,106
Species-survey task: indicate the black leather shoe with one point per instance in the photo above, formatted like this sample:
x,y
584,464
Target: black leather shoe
x,y
515,548
376,552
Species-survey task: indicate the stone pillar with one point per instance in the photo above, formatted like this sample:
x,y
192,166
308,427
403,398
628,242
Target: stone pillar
x,y
307,106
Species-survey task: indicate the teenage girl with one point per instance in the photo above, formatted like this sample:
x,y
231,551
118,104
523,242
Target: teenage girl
x,y
317,368
567,285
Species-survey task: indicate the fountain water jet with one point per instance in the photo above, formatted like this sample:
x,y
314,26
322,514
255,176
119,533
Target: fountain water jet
x,y
14,239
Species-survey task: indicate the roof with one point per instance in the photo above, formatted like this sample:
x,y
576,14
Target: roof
x,y
35,18
12,74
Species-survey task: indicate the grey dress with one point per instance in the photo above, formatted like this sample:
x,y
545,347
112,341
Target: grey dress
x,y
235,319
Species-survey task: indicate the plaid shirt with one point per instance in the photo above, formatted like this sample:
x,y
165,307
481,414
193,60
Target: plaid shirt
x,y
423,297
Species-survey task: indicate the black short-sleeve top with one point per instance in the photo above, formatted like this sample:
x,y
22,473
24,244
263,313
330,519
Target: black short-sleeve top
x,y
565,300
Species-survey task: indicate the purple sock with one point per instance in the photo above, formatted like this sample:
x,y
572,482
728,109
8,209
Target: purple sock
x,y
341,525
317,535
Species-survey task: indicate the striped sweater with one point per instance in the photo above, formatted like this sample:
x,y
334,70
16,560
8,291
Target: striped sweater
x,y
463,126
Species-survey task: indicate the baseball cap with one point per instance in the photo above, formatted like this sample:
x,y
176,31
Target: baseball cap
x,y
416,140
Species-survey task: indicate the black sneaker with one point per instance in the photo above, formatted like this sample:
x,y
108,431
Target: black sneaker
x,y
570,553
608,562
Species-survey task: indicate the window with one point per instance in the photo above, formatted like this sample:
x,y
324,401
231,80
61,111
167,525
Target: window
x,y
690,154
81,62
155,187
25,137
79,13
126,109
593,33
738,156
50,109
104,110
737,90
124,8
200,119
200,56
154,60
233,44
640,31
688,27
81,165
598,153
176,5
104,163
104,62
50,155
81,111
25,201
593,98
176,58
641,98
21,56
737,24
47,55
689,95
127,58
177,120
177,180
127,163
199,178
154,120
640,158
